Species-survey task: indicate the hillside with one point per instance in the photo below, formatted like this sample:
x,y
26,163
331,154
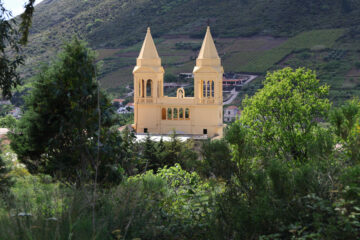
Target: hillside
x,y
252,36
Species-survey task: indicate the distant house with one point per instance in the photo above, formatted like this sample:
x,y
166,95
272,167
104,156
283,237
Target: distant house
x,y
130,105
128,108
122,110
232,82
5,102
119,101
231,113
186,75
16,113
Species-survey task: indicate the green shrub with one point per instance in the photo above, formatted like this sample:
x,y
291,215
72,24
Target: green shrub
x,y
8,122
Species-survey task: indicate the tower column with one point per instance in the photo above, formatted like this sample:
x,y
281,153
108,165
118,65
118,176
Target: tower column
x,y
208,71
148,77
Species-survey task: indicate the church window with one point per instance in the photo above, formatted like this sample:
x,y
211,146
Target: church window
x,y
145,130
169,114
203,84
187,114
175,113
212,92
208,89
181,113
149,88
205,131
163,114
142,88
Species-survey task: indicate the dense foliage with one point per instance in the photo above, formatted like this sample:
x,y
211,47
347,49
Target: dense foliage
x,y
67,118
283,117
289,168
285,170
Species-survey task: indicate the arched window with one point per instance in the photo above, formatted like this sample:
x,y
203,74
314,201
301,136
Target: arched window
x,y
212,89
169,114
181,113
175,113
149,88
163,114
187,113
203,88
142,88
208,89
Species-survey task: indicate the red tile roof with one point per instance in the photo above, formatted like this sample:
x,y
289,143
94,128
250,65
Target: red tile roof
x,y
232,107
118,100
130,104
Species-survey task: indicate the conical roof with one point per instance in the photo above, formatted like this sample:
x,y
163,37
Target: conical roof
x,y
208,49
148,50
148,54
208,56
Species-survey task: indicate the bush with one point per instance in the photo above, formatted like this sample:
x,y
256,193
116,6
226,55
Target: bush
x,y
8,122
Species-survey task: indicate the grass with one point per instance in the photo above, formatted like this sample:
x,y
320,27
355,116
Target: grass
x,y
318,50
308,40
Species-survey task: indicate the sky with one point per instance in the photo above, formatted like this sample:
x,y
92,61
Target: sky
x,y
16,6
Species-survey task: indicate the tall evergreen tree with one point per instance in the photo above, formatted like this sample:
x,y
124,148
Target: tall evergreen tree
x,y
59,132
150,157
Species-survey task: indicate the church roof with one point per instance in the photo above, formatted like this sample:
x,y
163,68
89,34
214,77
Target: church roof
x,y
208,49
208,59
148,59
148,50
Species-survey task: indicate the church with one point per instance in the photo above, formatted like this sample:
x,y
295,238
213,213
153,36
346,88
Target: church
x,y
201,114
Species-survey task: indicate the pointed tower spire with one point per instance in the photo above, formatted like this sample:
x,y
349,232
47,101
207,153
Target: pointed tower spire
x,y
208,49
148,55
208,55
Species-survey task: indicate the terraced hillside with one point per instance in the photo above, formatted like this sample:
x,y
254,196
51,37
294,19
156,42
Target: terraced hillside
x,y
251,36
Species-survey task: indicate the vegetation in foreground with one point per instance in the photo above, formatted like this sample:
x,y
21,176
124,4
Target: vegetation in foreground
x,y
287,169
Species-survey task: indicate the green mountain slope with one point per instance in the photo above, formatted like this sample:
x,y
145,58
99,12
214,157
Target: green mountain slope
x,y
113,23
251,35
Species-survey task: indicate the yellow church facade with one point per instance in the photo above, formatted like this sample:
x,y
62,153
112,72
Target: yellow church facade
x,y
155,113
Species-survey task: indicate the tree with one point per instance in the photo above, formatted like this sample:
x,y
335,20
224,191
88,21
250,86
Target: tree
x,y
217,158
150,154
11,40
5,181
8,122
58,134
282,118
179,151
131,161
345,121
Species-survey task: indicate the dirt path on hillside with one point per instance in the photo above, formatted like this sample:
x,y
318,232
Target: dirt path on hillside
x,y
234,93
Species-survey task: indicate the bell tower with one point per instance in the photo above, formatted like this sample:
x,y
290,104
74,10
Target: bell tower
x,y
208,73
148,86
148,73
